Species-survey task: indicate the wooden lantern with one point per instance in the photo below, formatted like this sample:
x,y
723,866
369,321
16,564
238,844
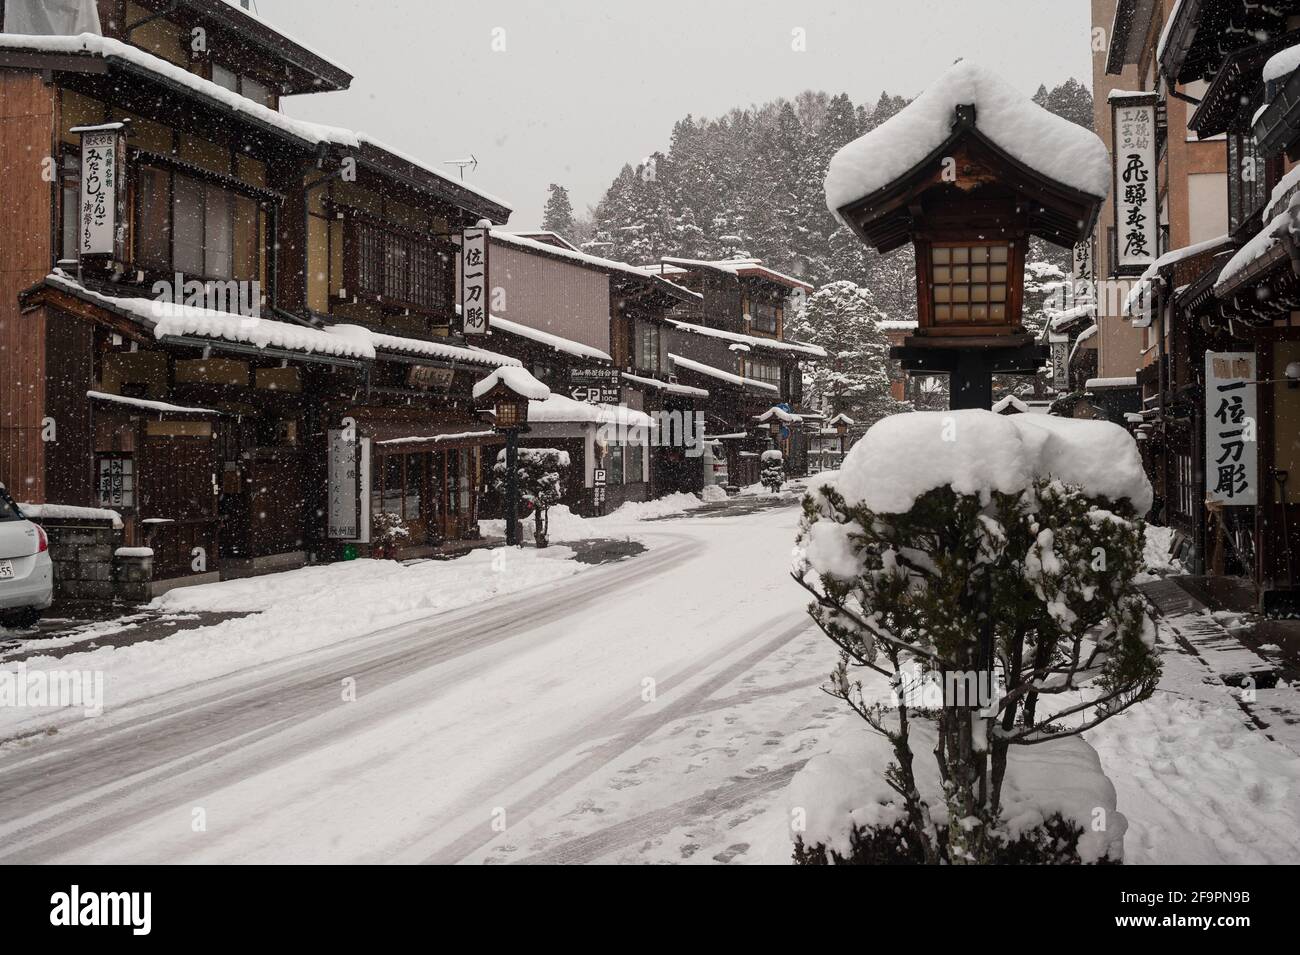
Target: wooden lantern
x,y
969,209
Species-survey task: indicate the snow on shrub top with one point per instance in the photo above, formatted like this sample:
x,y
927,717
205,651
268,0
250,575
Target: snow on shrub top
x,y
771,457
977,452
1052,146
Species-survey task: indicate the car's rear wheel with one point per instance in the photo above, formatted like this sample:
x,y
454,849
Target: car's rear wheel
x,y
20,619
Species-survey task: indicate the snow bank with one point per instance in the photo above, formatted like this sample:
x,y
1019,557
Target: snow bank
x,y
1054,147
1157,553
564,525
977,452
293,612
845,787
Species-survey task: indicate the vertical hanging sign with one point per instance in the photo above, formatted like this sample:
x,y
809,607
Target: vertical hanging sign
x,y
473,281
1133,139
101,189
1083,272
344,477
1231,461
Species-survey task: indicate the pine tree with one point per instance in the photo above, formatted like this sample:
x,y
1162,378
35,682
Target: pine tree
x,y
854,378
557,216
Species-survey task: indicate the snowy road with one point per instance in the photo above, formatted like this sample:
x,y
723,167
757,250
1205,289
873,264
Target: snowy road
x,y
466,726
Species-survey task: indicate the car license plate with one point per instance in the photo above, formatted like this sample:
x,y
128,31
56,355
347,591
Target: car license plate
x,y
6,570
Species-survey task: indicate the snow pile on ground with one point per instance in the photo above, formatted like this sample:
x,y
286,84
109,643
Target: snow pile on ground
x,y
300,610
564,525
1157,553
1049,144
844,787
977,452
1199,782
713,493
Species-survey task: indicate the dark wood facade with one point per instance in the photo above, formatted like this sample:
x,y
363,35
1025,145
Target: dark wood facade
x,y
211,438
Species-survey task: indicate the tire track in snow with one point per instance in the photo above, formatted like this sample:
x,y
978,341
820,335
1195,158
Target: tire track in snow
x,y
63,796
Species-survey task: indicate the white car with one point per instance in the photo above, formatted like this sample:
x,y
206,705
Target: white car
x,y
26,571
714,461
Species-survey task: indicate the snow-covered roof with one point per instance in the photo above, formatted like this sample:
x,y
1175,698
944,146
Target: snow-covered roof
x,y
517,379
1070,315
1139,294
439,438
146,404
170,320
753,341
1282,63
1261,243
1052,146
905,455
671,387
1008,403
789,417
1086,334
546,236
1129,382
897,325
311,134
565,345
561,409
740,268
584,258
841,418
709,371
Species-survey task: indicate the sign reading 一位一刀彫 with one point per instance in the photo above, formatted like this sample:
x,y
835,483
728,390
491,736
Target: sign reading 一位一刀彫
x,y
1231,461
473,281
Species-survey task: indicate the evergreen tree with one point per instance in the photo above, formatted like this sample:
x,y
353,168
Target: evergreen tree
x,y
557,216
854,378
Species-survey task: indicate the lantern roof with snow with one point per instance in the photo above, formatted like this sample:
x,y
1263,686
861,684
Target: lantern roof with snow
x,y
970,151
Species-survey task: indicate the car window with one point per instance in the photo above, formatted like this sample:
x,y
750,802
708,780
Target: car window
x,y
8,510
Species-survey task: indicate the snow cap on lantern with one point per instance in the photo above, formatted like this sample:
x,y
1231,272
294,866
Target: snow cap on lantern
x,y
967,172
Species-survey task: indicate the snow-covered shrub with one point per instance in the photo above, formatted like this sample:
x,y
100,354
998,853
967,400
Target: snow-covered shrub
x,y
1053,798
993,555
390,533
538,475
772,475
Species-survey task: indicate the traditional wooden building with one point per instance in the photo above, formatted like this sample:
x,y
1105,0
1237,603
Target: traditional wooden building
x,y
1222,414
593,330
731,341
264,355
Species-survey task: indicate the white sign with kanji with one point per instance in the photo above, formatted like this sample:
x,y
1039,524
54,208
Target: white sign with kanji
x,y
473,281
98,212
1136,217
1231,461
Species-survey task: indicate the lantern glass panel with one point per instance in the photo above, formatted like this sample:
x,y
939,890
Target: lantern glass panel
x,y
965,277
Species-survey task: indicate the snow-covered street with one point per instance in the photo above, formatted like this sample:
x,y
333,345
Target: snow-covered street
x,y
664,728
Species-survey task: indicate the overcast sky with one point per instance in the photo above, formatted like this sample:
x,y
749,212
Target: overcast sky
x,y
584,86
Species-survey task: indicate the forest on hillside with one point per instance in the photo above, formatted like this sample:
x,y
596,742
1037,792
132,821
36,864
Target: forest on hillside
x,y
749,183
